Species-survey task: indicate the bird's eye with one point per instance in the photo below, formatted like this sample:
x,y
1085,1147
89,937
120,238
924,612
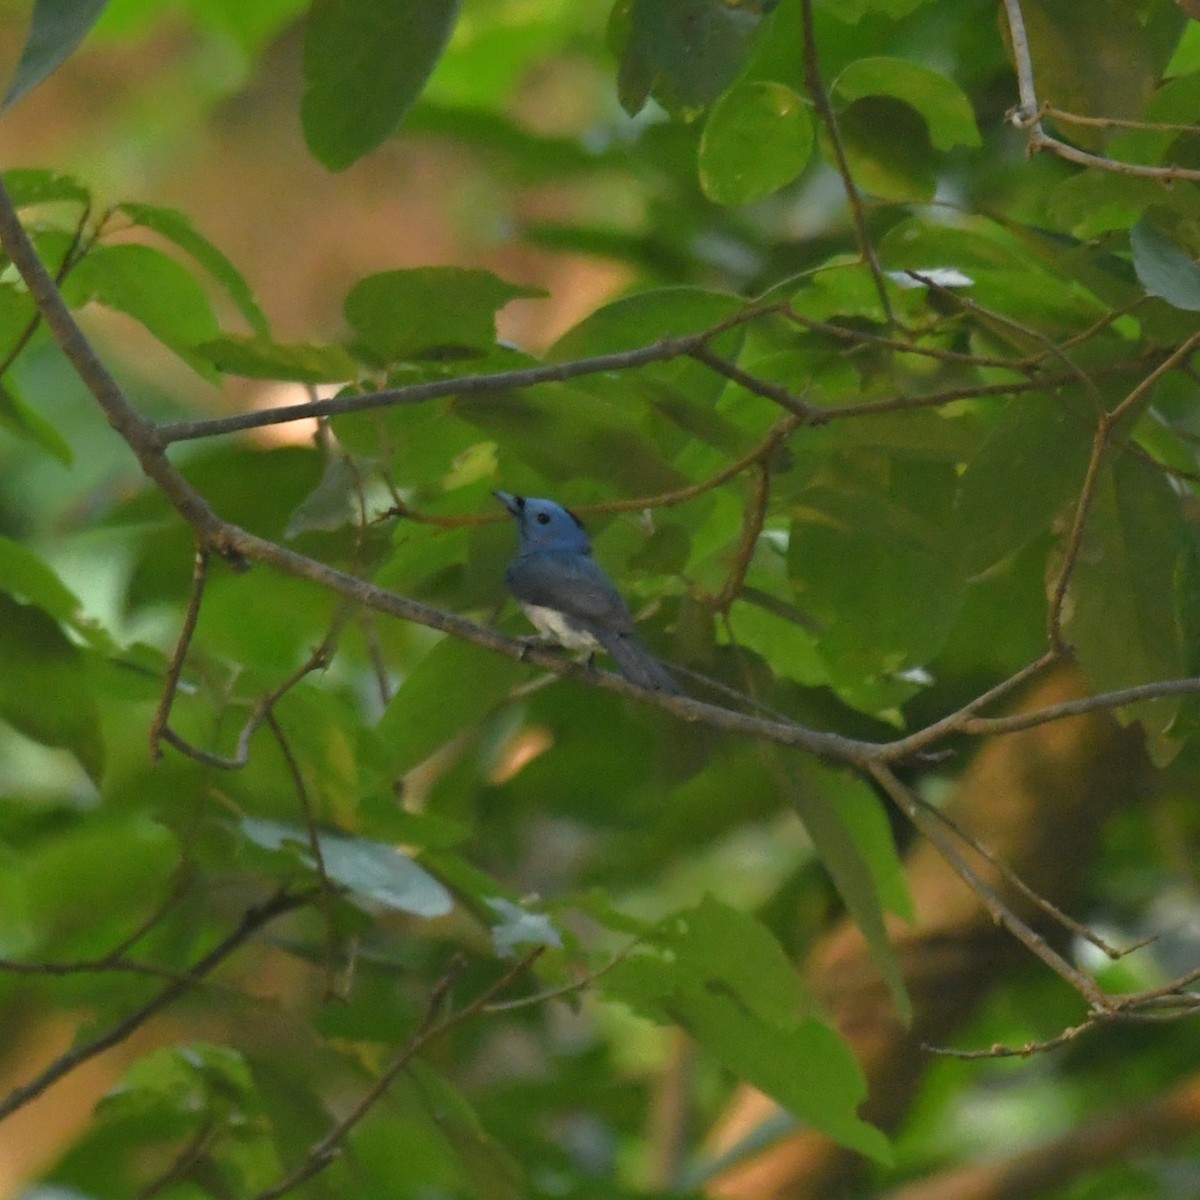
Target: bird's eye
x,y
543,518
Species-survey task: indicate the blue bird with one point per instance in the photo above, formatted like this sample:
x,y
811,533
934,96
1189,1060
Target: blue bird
x,y
568,597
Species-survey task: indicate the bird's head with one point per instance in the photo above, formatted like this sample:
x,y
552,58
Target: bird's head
x,y
544,525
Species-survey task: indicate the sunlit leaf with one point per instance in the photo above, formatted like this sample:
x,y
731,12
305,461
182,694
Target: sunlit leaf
x,y
758,137
178,228
426,310
154,289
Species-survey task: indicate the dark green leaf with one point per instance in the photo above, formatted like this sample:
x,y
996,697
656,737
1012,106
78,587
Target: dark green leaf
x,y
873,571
178,228
154,289
856,878
941,103
57,27
1121,616
450,690
683,52
24,576
44,689
332,504
426,310
888,148
1066,52
27,423
998,508
260,358
365,63
493,1172
758,138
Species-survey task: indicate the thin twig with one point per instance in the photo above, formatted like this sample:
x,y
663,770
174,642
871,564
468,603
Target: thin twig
x,y
326,1150
1028,115
664,350
907,802
820,100
1074,544
263,707
752,527
1006,872
252,920
989,726
1070,118
327,890
162,714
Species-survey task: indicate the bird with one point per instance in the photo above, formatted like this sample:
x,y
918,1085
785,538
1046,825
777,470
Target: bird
x,y
567,597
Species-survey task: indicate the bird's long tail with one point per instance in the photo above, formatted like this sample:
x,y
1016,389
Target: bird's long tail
x,y
636,663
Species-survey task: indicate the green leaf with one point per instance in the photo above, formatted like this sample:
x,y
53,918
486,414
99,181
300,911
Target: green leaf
x,y
152,288
1165,269
805,1067
566,433
1121,616
372,870
943,106
725,980
726,950
261,358
33,185
58,26
365,63
873,570
888,148
24,576
842,854
429,310
177,227
455,686
494,1174
1066,53
758,138
683,52
1032,462
331,504
639,319
44,688
25,422
864,816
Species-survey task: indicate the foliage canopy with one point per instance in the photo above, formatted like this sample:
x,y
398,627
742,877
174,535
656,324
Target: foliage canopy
x,y
896,414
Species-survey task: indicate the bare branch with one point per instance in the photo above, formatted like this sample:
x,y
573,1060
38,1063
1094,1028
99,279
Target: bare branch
x,y
1028,116
252,921
179,655
820,99
908,803
430,1028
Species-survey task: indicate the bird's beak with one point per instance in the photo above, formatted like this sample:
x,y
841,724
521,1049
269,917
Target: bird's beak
x,y
514,504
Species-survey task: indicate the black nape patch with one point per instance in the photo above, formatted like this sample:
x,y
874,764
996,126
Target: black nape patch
x,y
520,501
574,518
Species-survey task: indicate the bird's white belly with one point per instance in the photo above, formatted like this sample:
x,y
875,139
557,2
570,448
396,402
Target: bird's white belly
x,y
553,624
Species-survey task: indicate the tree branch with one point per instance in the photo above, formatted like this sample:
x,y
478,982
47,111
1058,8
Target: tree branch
x,y
252,920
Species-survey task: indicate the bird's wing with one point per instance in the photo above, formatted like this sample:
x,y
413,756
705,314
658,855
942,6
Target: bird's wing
x,y
569,583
